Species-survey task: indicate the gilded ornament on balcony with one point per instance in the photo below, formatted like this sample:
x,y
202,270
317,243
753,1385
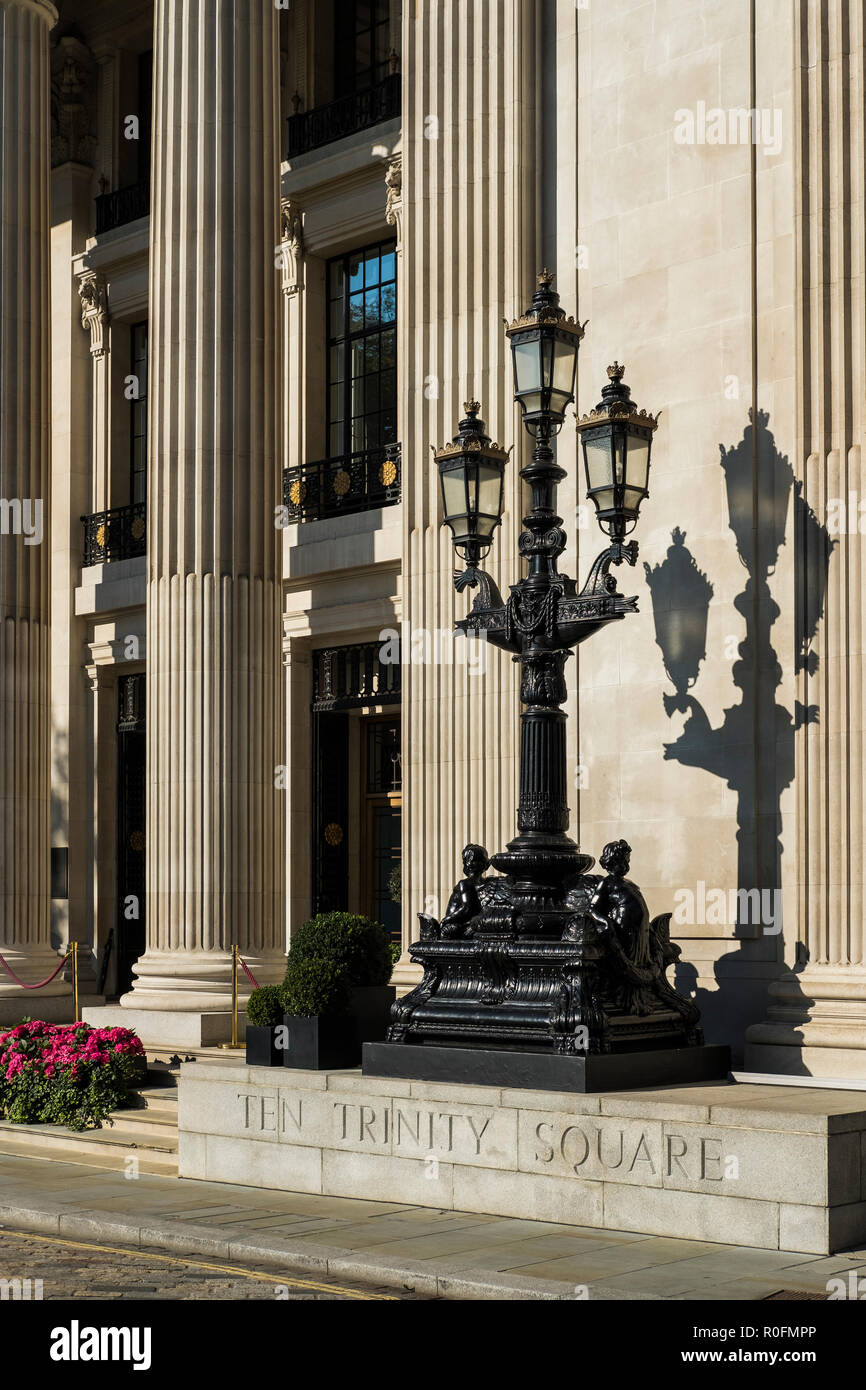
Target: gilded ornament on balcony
x,y
101,536
342,483
333,834
297,492
138,528
388,473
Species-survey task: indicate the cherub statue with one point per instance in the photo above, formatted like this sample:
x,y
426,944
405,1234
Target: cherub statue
x,y
464,904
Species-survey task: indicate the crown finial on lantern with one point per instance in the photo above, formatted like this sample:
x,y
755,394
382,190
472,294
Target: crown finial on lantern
x,y
616,372
546,278
472,407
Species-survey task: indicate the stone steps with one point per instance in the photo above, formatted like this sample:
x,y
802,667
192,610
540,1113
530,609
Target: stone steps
x,y
146,1131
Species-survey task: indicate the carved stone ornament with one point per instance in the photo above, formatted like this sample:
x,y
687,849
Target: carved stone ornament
x,y
94,310
73,103
291,246
394,204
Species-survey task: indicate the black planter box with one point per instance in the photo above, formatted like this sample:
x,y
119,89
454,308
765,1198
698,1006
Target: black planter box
x,y
370,1005
321,1042
262,1050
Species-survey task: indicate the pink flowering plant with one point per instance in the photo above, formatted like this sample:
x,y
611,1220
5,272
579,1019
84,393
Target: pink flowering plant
x,y
67,1074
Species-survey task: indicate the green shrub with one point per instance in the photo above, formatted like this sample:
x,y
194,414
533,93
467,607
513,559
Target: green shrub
x,y
360,950
395,883
265,1006
314,987
396,952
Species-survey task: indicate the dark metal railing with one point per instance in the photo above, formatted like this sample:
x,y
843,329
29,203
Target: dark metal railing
x,y
355,677
337,486
309,130
119,534
122,206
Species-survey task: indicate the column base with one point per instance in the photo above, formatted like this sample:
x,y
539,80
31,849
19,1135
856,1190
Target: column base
x,y
197,981
815,1026
168,1028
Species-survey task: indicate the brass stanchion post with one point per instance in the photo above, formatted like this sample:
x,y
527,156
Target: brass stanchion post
x,y
75,1011
234,1045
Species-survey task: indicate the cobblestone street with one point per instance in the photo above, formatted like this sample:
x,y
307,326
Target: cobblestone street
x,y
72,1270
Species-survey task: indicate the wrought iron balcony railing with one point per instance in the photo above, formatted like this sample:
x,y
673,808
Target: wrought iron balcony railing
x,y
116,535
309,130
122,206
338,486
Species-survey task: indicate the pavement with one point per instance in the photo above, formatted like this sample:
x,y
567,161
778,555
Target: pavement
x,y
416,1250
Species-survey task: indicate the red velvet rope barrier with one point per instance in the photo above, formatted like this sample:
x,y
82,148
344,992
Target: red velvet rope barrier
x,y
42,983
253,981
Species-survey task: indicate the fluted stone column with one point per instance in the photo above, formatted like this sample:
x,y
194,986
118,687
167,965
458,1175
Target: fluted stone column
x,y
25,775
816,1022
468,206
214,847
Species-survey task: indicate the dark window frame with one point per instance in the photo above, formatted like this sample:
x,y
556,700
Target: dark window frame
x,y
354,69
360,340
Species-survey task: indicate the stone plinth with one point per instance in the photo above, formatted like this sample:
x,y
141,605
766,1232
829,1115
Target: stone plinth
x,y
170,1027
736,1164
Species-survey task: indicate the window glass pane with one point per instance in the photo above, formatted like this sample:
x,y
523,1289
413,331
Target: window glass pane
x,y
388,348
388,389
389,303
337,399
336,442
389,427
372,269
358,436
337,362
371,354
356,274
371,394
356,313
371,306
357,351
336,280
337,325
389,266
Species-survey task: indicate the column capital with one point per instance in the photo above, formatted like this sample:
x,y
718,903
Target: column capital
x,y
43,8
93,292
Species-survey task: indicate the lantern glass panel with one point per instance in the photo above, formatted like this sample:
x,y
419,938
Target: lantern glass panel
x,y
564,368
547,362
527,369
620,445
454,494
597,449
638,463
632,498
489,490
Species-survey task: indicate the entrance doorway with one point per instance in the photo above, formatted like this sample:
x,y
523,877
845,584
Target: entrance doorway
x,y
381,822
357,784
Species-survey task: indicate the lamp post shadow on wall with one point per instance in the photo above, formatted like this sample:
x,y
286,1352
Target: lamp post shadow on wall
x,y
546,975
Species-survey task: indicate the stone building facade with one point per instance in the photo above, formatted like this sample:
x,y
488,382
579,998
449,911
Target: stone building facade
x,y
255,257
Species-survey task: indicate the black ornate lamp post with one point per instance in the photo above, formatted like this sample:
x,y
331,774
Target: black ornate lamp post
x,y
546,974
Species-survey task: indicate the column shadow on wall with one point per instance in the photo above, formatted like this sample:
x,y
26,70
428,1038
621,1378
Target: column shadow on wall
x,y
753,747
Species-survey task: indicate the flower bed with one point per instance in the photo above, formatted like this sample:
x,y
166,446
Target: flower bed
x,y
66,1074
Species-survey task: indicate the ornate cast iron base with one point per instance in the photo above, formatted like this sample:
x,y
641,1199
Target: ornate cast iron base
x,y
547,958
